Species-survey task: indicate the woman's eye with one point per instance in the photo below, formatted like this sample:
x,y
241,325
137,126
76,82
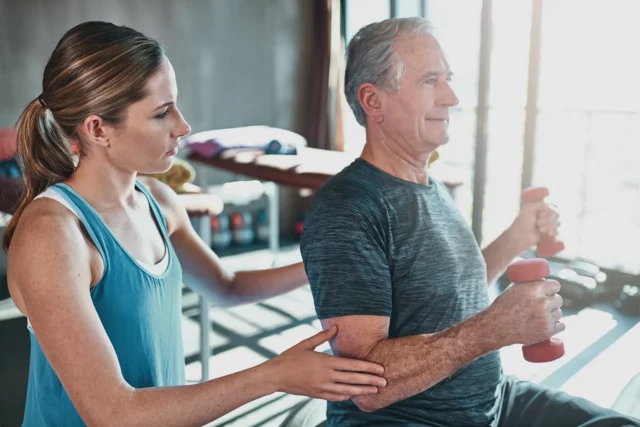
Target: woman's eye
x,y
164,114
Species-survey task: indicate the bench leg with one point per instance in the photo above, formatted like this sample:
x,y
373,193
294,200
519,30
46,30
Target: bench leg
x,y
274,219
205,350
204,231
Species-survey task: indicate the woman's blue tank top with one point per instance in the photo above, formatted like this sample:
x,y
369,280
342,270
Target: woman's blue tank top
x,y
140,311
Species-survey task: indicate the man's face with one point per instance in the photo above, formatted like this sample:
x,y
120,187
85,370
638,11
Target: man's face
x,y
417,116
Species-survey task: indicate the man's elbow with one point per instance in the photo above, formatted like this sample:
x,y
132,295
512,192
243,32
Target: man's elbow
x,y
368,403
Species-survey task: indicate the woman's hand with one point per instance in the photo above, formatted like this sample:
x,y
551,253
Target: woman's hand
x,y
303,371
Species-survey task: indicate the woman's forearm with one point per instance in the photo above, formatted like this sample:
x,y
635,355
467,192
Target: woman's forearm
x,y
191,405
257,285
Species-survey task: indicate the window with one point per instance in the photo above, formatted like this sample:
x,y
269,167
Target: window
x,y
587,141
408,8
506,114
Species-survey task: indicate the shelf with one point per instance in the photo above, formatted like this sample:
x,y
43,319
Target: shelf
x,y
235,249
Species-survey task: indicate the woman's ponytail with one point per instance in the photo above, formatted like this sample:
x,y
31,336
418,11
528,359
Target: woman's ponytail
x,y
44,155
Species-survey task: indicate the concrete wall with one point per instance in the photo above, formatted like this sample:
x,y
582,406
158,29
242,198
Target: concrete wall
x,y
238,62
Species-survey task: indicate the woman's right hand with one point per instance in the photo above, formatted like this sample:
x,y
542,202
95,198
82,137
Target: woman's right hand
x,y
303,371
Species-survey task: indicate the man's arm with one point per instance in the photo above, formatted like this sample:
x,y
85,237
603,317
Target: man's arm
x,y
526,313
412,364
533,220
500,253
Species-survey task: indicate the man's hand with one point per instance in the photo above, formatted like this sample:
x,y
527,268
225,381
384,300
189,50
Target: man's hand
x,y
527,313
533,221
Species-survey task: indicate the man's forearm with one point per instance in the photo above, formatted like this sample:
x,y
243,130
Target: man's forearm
x,y
499,254
416,363
257,285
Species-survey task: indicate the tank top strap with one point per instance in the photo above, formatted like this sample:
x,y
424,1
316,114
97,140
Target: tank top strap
x,y
92,222
155,208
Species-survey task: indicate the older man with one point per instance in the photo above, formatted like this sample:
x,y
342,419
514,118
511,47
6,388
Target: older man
x,y
394,265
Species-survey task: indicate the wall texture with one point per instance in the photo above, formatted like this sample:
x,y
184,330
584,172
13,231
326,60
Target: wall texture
x,y
238,62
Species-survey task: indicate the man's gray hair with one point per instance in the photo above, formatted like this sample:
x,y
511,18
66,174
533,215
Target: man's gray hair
x,y
371,59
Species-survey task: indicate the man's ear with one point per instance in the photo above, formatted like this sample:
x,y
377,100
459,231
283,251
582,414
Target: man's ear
x,y
370,99
96,131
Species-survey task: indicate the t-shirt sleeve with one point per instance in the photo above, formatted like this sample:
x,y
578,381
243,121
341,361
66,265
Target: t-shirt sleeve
x,y
345,253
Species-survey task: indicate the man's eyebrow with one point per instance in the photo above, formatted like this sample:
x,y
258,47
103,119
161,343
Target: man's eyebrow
x,y
429,74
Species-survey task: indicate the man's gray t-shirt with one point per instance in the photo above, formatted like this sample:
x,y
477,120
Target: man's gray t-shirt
x,y
374,244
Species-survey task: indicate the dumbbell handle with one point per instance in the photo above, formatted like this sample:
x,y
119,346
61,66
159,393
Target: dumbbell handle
x,y
530,270
548,245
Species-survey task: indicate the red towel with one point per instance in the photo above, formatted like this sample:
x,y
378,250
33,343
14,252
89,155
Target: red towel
x,y
8,141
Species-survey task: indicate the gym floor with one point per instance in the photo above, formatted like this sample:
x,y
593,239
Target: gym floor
x,y
601,345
